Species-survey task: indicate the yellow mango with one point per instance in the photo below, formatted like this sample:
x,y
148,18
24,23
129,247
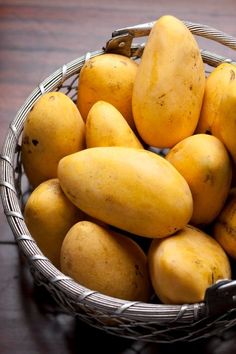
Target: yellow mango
x,y
105,261
184,265
224,229
105,126
110,78
169,85
219,106
53,129
205,164
49,215
132,189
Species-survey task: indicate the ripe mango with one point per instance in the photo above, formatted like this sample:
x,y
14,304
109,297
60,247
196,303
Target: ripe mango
x,y
105,261
110,78
218,113
224,229
184,265
105,126
49,215
169,85
205,164
132,189
53,129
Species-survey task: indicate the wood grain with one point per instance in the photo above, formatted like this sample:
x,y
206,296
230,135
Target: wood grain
x,y
37,37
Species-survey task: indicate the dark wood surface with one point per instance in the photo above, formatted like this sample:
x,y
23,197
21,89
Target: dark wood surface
x,y
36,37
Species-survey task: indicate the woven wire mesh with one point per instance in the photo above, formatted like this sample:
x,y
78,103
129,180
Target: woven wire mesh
x,y
150,322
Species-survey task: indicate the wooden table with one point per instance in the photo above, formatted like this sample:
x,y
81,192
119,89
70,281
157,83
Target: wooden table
x,y
37,37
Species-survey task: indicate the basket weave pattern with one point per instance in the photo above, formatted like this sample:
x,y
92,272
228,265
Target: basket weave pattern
x,y
136,320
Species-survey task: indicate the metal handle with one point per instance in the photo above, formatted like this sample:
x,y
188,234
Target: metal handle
x,y
221,297
141,30
121,41
196,28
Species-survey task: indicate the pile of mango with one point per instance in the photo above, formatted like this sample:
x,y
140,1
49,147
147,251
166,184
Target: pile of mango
x,y
99,188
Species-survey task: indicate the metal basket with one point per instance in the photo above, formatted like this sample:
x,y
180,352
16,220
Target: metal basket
x,y
135,320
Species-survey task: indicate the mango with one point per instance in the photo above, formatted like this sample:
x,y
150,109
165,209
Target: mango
x,y
49,215
105,261
105,126
205,164
132,189
110,78
224,229
53,129
218,113
169,85
184,265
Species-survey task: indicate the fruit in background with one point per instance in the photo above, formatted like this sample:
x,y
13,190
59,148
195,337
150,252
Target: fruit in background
x,y
169,86
132,189
216,83
205,164
218,113
53,129
224,229
49,215
110,78
105,126
105,261
184,265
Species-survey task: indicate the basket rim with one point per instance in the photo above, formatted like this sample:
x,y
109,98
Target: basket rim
x,y
133,310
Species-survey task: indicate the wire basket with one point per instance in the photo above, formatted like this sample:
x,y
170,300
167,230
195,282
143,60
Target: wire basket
x,y
134,320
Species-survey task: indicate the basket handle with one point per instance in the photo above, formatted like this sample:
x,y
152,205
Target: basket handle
x,y
121,41
196,28
220,297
